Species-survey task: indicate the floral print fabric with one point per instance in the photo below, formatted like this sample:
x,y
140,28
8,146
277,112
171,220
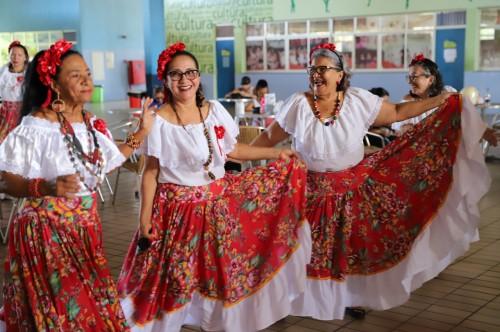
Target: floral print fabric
x,y
56,274
365,219
224,241
10,114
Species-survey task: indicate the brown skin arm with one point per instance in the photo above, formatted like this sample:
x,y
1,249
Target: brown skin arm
x,y
17,186
390,113
273,135
148,190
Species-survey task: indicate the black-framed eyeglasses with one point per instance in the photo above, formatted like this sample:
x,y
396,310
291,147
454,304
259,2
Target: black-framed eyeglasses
x,y
413,77
311,70
176,75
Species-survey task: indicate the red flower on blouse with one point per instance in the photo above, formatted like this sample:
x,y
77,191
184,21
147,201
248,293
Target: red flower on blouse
x,y
219,131
100,125
20,79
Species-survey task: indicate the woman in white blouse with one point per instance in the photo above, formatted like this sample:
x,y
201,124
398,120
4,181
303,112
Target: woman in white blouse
x,y
384,224
222,251
56,273
11,83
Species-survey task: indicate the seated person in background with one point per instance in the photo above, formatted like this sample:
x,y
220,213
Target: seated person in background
x,y
245,90
259,92
159,96
384,131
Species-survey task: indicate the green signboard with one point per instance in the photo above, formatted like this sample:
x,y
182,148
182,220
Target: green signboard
x,y
193,22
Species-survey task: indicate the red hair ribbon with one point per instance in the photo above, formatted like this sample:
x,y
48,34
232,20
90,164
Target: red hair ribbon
x,y
48,63
166,56
417,58
326,46
14,44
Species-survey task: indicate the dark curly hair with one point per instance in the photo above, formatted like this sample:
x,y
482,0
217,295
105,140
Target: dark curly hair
x,y
200,96
430,68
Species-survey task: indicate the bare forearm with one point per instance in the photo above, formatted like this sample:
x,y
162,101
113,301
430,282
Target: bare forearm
x,y
127,150
17,186
412,109
247,152
148,190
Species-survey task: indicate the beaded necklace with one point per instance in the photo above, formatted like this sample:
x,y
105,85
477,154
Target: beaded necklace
x,y
91,161
334,114
209,141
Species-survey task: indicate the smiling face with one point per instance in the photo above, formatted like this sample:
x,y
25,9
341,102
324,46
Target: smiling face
x,y
74,81
420,80
325,82
185,88
17,58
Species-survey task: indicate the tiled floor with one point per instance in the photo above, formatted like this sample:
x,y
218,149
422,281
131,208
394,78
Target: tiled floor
x,y
465,297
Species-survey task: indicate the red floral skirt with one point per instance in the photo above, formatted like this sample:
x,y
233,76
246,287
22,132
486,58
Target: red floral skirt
x,y
10,114
57,278
365,219
220,243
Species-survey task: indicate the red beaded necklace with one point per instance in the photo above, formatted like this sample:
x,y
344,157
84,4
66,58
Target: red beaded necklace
x,y
329,121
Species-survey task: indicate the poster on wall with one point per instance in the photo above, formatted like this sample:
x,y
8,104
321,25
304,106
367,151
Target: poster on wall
x,y
255,55
275,54
193,22
297,58
366,52
393,48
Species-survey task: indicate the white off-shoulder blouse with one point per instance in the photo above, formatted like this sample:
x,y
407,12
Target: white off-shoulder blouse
x,y
182,151
330,148
36,149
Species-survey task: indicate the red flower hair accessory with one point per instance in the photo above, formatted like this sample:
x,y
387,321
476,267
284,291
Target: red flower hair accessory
x,y
48,63
417,58
326,46
166,56
14,44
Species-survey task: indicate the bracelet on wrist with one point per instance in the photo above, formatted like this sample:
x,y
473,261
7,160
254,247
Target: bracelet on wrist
x,y
34,187
132,142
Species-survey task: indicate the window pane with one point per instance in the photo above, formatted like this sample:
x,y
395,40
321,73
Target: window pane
x,y
43,37
316,41
298,54
275,29
55,35
393,51
420,22
345,45
490,16
343,25
255,55
295,28
275,54
451,18
367,24
319,27
70,36
366,52
490,51
19,36
393,23
255,29
419,43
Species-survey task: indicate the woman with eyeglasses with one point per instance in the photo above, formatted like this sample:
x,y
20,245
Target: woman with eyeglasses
x,y
222,251
11,83
425,81
384,224
56,275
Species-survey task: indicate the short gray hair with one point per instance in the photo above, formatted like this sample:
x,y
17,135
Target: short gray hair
x,y
338,62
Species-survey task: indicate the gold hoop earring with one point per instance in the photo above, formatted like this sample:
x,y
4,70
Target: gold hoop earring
x,y
58,105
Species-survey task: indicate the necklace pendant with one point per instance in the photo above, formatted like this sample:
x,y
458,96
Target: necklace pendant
x,y
211,175
327,123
